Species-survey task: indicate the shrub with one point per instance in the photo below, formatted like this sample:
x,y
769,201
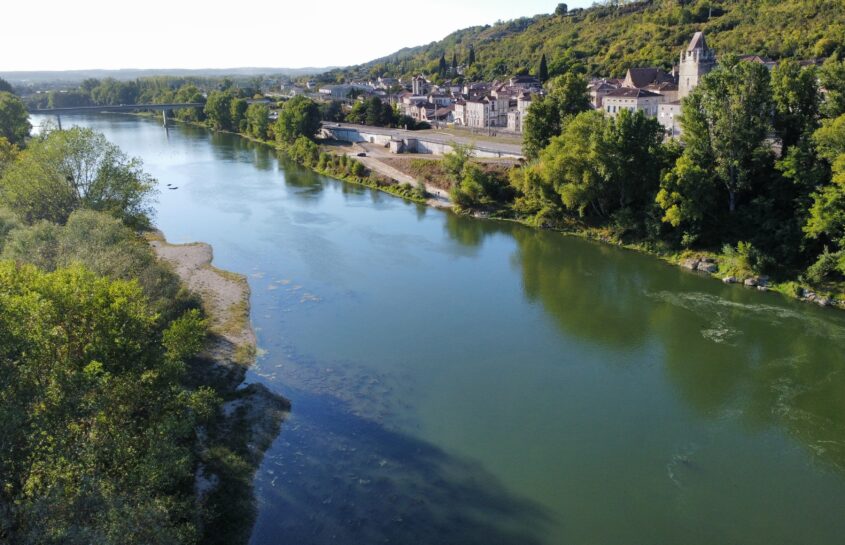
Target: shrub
x,y
826,267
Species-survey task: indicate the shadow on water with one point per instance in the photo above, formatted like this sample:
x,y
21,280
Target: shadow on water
x,y
333,477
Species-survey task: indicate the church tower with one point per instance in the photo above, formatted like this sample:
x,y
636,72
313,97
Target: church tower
x,y
696,61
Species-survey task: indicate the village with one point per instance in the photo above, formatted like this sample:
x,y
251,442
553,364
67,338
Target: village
x,y
499,108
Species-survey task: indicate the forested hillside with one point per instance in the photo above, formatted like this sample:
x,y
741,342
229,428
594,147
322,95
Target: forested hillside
x,y
607,39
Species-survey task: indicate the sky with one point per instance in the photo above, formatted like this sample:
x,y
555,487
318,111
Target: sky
x,y
111,34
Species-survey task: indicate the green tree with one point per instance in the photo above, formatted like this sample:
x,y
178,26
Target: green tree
x,y
471,56
72,169
543,72
726,126
542,123
547,116
237,114
14,119
190,94
454,62
258,120
442,67
300,116
6,87
827,214
561,9
796,99
832,78
8,154
99,435
218,110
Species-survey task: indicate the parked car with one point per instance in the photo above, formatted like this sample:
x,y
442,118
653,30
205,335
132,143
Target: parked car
x,y
362,154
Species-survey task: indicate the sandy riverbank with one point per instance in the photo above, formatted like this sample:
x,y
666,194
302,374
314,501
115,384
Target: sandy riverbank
x,y
252,414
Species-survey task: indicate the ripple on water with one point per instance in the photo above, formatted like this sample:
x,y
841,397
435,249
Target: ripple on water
x,y
718,311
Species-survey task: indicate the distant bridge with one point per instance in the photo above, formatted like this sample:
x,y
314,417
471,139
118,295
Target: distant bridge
x,y
163,108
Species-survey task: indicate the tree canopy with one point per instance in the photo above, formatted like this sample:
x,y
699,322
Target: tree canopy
x,y
14,119
72,169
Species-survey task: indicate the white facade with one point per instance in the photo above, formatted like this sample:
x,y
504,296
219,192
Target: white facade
x,y
668,114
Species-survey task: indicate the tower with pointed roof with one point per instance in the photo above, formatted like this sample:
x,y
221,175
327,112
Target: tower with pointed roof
x,y
696,61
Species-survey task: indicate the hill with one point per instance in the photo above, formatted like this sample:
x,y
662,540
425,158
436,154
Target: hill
x,y
608,38
125,74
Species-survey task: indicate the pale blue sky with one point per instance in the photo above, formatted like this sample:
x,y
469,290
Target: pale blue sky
x,y
84,34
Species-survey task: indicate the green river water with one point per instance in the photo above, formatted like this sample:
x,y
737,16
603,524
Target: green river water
x,y
459,381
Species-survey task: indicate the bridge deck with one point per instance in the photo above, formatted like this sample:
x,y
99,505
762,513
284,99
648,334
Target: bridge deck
x,y
115,108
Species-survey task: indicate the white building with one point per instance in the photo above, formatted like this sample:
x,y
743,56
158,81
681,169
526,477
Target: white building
x,y
626,98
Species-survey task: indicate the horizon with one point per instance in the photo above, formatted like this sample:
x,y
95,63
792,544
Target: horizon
x,y
272,43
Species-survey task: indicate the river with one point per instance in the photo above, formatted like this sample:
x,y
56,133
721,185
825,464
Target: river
x,y
460,381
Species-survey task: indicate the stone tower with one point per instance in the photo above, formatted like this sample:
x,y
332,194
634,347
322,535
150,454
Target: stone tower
x,y
696,61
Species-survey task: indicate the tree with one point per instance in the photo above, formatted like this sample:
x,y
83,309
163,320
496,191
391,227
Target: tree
x,y
300,116
603,166
190,94
72,169
258,120
218,110
6,87
795,95
543,73
547,116
832,77
99,435
14,119
561,9
454,62
827,214
441,65
572,164
542,122
237,114
8,154
726,125
471,56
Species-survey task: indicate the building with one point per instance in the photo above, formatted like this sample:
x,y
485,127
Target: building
x,y
598,89
696,61
516,118
419,85
626,98
668,114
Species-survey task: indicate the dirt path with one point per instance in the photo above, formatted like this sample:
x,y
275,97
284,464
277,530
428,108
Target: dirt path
x,y
440,197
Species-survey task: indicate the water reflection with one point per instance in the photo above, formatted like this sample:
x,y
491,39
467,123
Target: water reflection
x,y
778,364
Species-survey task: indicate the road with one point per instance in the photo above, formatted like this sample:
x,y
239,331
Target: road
x,y
437,137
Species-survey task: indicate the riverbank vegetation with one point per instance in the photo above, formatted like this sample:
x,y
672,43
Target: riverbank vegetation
x,y
112,432
757,177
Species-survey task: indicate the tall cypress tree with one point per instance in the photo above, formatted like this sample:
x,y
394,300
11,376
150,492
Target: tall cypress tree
x,y
471,59
454,62
543,75
442,64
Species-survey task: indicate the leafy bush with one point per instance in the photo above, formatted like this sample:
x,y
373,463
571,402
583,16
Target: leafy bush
x,y
826,267
103,245
99,435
